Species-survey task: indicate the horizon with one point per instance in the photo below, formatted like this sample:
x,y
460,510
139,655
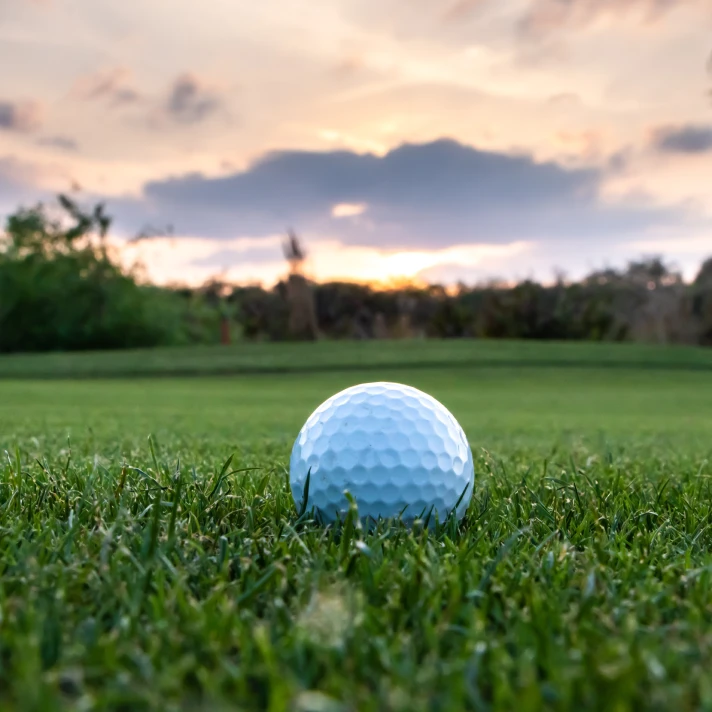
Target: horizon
x,y
460,141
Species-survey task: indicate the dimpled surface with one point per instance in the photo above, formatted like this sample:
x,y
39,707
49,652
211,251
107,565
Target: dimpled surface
x,y
393,447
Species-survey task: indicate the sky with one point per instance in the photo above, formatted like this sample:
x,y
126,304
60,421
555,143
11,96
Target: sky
x,y
430,140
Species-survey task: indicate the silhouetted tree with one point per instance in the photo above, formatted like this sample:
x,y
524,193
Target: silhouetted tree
x,y
302,314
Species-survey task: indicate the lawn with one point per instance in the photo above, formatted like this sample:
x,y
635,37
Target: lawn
x,y
142,568
349,355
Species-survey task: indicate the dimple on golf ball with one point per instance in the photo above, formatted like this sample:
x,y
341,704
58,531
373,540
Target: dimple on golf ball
x,y
398,451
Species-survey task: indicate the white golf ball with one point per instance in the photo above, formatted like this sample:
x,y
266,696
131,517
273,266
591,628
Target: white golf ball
x,y
398,451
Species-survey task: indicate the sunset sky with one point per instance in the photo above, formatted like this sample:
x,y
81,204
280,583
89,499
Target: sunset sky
x,y
441,140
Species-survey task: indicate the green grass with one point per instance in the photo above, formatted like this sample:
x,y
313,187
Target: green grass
x,y
349,355
139,574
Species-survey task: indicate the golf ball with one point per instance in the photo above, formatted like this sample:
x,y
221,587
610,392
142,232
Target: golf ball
x,y
397,450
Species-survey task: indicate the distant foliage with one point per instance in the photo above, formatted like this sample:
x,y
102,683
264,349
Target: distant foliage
x,y
646,302
60,289
701,297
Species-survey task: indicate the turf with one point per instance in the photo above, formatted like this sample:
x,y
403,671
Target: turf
x,y
340,356
151,556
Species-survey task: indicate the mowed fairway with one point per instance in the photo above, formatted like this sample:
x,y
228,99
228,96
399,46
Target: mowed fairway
x,y
139,574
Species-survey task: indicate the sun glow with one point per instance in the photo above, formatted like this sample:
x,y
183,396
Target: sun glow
x,y
348,210
186,260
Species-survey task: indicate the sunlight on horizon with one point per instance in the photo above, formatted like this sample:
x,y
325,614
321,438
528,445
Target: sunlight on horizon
x,y
163,258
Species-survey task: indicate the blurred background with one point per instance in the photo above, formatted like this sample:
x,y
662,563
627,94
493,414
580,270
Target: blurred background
x,y
465,168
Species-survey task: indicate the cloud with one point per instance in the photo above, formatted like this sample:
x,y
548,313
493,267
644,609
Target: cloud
x,y
449,22
190,100
348,210
462,9
20,116
192,260
620,160
689,139
564,99
350,65
62,142
229,258
112,85
19,182
545,16
417,196
585,144
451,273
13,174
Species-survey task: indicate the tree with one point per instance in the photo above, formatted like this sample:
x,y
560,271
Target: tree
x,y
300,297
702,301
60,288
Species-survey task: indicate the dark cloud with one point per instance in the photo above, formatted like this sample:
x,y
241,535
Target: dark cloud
x,y
190,101
424,195
691,139
112,85
20,116
61,142
545,16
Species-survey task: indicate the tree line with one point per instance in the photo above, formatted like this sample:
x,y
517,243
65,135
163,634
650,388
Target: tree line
x,y
62,288
645,302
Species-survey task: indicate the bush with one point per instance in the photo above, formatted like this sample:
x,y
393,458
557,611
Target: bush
x,y
60,289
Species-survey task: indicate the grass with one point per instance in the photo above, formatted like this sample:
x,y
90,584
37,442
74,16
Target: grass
x,y
343,356
151,556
